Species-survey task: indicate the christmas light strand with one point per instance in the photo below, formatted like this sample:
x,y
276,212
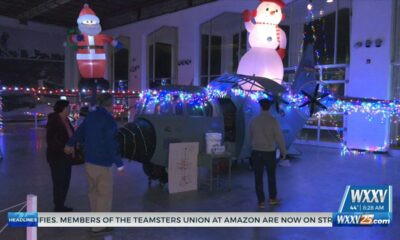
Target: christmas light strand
x,y
64,92
371,108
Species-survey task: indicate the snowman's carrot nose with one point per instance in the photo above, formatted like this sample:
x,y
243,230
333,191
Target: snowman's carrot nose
x,y
272,13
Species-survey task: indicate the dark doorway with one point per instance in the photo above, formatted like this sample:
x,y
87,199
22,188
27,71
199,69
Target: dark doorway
x,y
229,113
160,64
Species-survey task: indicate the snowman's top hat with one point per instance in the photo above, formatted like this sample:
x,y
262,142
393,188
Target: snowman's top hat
x,y
280,3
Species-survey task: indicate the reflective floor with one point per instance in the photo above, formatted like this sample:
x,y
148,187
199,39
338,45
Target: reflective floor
x,y
315,182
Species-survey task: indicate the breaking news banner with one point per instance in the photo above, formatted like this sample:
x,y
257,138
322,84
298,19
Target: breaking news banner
x,y
22,219
365,206
361,206
173,219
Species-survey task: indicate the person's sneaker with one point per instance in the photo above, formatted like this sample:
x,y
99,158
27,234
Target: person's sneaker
x,y
285,163
273,201
261,205
102,231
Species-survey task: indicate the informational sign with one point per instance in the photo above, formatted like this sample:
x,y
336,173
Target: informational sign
x,y
182,167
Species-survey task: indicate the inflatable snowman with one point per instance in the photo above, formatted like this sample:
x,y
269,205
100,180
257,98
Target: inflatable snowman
x,y
267,42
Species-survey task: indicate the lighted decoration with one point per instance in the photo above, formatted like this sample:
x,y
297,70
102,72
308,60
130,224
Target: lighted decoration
x,y
91,54
65,92
371,107
346,151
267,41
383,109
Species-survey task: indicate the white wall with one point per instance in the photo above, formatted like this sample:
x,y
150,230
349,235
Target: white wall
x,y
371,19
378,72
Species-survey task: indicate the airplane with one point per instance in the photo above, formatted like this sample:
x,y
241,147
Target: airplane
x,y
164,116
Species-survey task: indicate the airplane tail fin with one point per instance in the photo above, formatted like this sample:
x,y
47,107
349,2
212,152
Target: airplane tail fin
x,y
306,71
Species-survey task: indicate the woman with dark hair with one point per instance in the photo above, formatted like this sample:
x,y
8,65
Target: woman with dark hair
x,y
59,130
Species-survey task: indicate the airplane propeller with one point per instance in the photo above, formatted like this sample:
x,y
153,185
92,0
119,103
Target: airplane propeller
x,y
314,100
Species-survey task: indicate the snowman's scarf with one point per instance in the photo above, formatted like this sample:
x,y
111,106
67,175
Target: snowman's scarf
x,y
278,33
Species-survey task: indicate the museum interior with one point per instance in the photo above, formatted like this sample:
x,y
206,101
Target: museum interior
x,y
167,97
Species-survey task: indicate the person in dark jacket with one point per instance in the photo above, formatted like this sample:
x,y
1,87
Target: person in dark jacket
x,y
98,133
59,130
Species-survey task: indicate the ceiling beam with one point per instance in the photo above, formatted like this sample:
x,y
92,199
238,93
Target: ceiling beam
x,y
135,7
40,9
134,13
131,14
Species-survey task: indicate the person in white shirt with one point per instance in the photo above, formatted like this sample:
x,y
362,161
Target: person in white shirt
x,y
265,136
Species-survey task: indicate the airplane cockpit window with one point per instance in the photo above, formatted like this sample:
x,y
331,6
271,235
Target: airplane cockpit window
x,y
194,110
208,110
163,108
149,107
177,108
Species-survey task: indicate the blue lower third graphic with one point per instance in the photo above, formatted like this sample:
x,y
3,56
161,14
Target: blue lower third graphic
x,y
365,206
22,219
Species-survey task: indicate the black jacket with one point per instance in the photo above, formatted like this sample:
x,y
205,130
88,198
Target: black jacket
x,y
56,137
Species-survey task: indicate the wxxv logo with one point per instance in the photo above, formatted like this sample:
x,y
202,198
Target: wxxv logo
x,y
365,206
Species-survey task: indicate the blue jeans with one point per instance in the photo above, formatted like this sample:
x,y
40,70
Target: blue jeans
x,y
262,160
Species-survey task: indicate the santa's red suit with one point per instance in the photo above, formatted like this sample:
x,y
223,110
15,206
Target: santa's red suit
x,y
91,54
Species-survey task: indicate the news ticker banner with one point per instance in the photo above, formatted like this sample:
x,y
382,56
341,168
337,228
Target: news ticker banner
x,y
171,219
360,206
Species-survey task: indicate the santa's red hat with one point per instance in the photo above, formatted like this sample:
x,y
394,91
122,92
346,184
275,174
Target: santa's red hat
x,y
280,3
87,14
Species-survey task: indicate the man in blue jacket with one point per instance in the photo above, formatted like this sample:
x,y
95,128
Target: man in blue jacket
x,y
98,134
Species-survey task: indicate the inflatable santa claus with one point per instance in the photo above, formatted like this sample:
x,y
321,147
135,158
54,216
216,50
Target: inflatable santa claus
x,y
267,42
91,54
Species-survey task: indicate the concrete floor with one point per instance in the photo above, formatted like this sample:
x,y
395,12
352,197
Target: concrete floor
x,y
315,182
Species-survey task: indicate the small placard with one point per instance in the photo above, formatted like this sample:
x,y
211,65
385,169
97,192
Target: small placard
x,y
182,167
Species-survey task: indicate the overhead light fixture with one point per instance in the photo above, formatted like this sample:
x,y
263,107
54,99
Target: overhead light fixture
x,y
329,1
309,5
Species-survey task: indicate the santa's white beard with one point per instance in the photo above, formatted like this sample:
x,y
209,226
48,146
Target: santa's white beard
x,y
90,29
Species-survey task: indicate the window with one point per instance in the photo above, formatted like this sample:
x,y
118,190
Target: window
x,y
321,33
211,49
194,111
395,126
332,53
120,65
239,48
343,41
162,64
223,42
